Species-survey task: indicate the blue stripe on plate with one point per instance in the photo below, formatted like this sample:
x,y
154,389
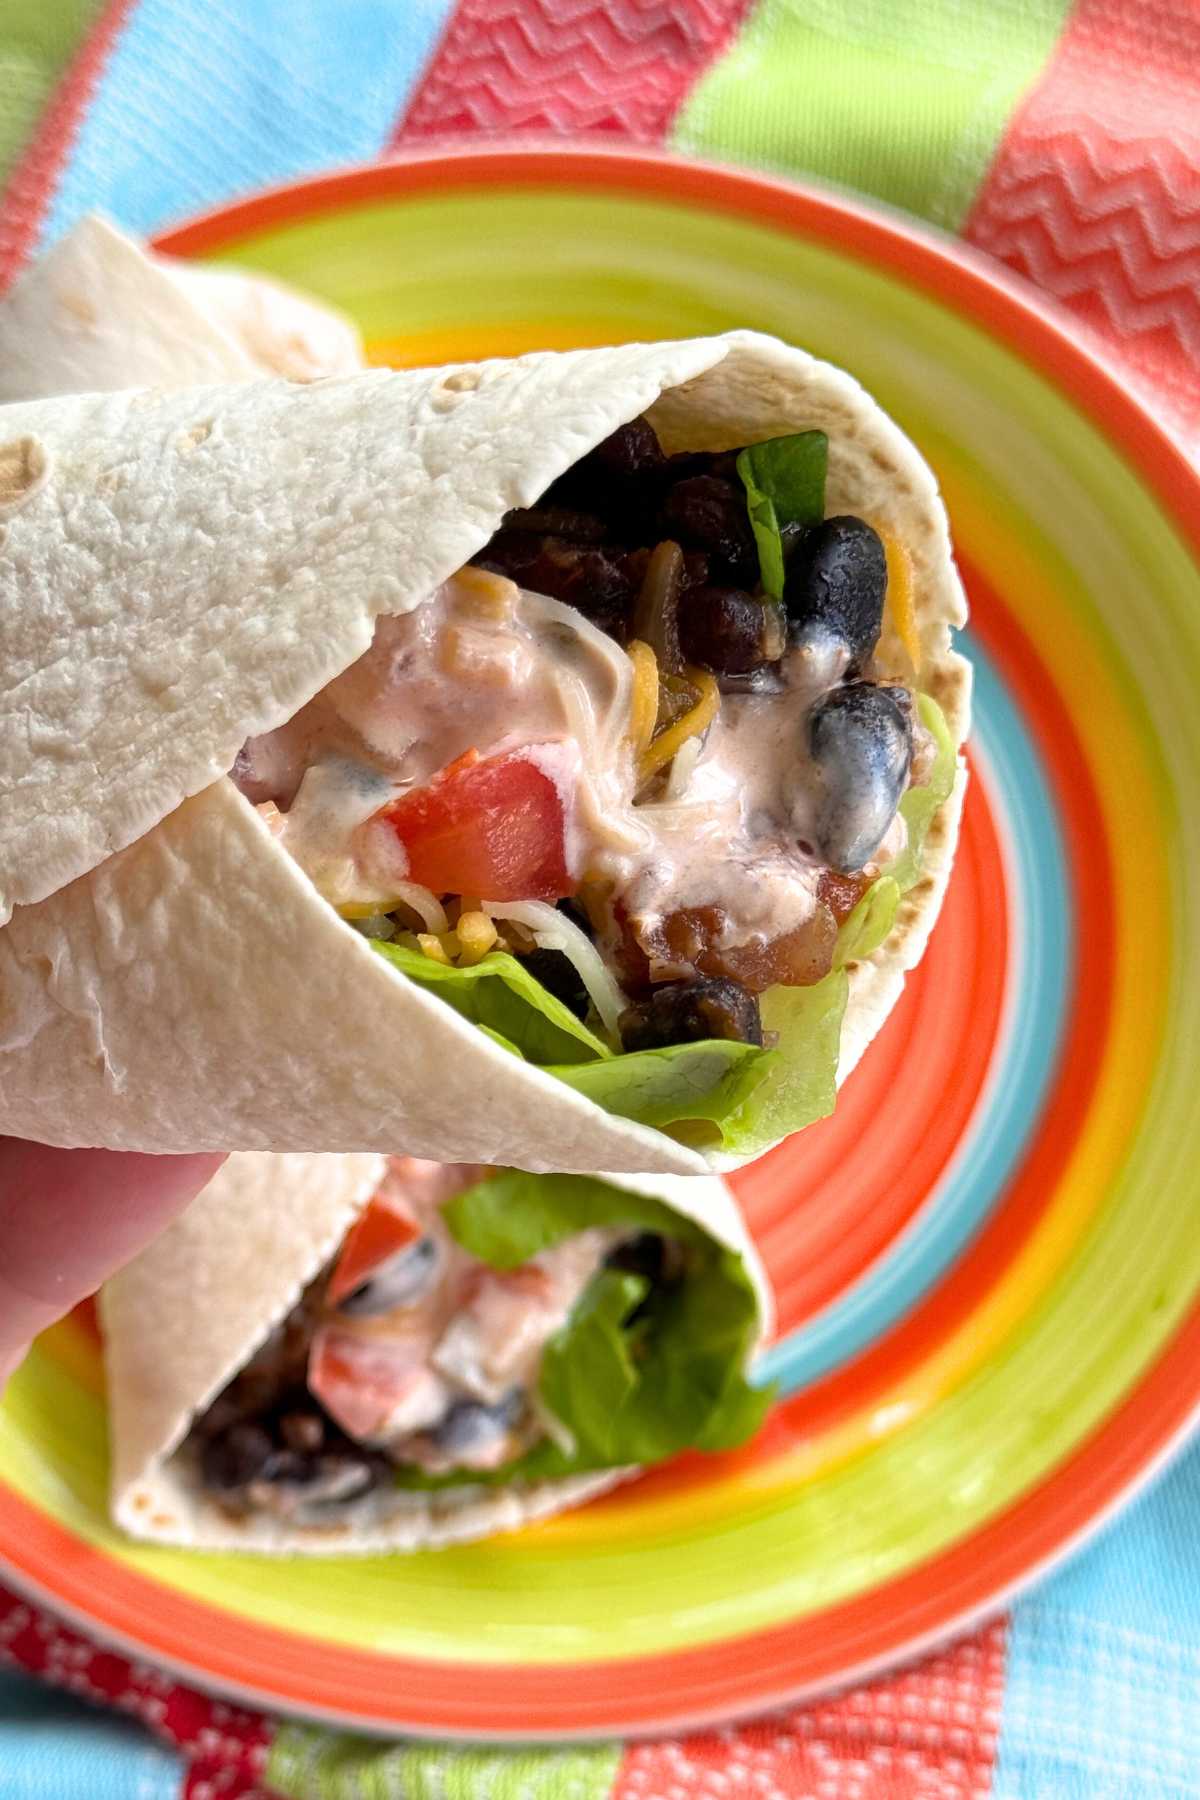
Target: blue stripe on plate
x,y
198,103
1021,1074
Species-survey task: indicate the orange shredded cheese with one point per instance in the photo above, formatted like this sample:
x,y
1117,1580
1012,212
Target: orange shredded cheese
x,y
901,603
697,719
644,710
476,935
484,594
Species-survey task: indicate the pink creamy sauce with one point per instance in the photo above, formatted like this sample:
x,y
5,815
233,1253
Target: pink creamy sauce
x,y
469,1333
490,667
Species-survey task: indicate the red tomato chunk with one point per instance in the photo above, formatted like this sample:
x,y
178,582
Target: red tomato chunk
x,y
493,828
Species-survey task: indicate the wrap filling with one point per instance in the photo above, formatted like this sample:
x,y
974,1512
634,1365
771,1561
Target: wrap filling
x,y
631,774
479,1327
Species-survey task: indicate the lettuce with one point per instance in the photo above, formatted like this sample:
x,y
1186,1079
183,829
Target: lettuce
x,y
640,1371
737,1097
500,994
784,479
709,1081
800,1087
866,927
919,804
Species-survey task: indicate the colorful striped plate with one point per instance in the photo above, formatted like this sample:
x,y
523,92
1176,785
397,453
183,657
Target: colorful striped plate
x,y
987,1263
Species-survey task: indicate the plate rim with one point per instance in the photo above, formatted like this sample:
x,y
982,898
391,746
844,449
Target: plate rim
x,y
1044,336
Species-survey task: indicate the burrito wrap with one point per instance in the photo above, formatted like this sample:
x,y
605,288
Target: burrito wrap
x,y
188,1313
176,635
100,312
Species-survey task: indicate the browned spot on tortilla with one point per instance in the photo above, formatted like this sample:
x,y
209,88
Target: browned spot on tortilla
x,y
139,1502
79,305
23,468
190,439
462,381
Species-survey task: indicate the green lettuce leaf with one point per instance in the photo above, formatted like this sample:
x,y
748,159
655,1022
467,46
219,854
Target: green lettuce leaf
x,y
866,927
784,479
510,1217
705,1082
500,994
640,1371
919,804
800,1086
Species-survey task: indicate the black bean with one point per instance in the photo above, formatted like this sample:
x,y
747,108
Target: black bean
x,y
556,521
687,1012
707,513
860,738
730,632
559,976
643,1255
835,584
686,463
302,1430
621,479
470,1426
325,1480
236,1457
398,1281
596,581
633,450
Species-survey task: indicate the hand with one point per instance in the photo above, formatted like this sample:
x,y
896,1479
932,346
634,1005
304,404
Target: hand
x,y
69,1218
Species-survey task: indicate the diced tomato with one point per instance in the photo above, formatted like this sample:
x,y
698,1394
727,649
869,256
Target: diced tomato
x,y
378,1234
367,1383
493,827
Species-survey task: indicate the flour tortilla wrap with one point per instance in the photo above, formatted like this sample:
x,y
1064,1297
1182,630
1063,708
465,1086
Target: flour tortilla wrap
x,y
181,571
100,312
190,1312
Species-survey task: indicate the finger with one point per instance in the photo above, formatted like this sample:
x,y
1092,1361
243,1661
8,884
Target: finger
x,y
69,1218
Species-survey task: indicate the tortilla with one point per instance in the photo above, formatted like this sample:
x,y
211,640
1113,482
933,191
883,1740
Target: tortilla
x,y
189,568
100,312
181,1320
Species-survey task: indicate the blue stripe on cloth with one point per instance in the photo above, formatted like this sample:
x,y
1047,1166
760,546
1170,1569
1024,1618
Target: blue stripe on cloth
x,y
1102,1698
56,1748
198,103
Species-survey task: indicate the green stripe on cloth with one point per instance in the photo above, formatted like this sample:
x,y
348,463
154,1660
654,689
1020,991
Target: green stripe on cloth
x,y
306,1763
37,40
903,99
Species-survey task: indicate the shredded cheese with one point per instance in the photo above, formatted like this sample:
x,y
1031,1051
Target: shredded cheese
x,y
433,947
476,935
900,599
697,719
682,769
484,594
552,930
644,707
418,899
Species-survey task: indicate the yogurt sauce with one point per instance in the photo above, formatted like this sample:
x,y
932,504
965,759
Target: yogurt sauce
x,y
487,666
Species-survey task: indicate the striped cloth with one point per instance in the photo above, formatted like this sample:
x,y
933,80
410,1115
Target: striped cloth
x,y
1063,140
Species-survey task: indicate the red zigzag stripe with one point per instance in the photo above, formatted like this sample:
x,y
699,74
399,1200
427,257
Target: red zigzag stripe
x,y
1095,192
620,66
24,201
